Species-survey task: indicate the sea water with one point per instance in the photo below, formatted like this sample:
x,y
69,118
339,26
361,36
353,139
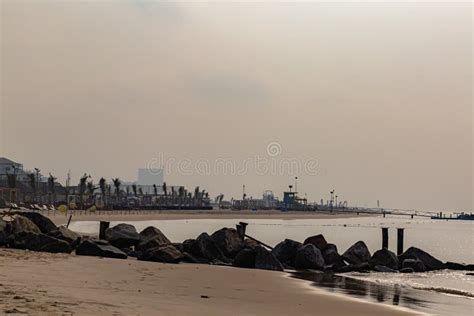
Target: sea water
x,y
441,292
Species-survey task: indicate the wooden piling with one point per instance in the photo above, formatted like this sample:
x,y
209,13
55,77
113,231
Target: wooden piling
x,y
103,228
69,221
385,237
399,241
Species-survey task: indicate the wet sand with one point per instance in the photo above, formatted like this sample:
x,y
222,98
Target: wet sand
x,y
59,218
42,283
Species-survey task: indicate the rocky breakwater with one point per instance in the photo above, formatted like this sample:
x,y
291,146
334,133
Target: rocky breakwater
x,y
33,231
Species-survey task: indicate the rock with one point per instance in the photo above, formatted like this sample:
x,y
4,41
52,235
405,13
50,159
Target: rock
x,y
64,233
44,224
204,247
265,260
385,269
361,267
286,250
178,246
23,224
151,237
228,241
166,254
407,270
414,264
384,257
319,241
122,236
38,242
3,232
189,258
309,257
459,266
332,258
430,262
250,244
99,248
357,254
245,258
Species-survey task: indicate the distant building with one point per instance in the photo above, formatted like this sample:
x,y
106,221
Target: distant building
x,y
148,177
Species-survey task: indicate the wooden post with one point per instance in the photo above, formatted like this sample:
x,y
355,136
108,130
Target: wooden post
x,y
399,241
385,237
69,221
241,227
103,228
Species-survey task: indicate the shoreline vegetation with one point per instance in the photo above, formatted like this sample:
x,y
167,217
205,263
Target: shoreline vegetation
x,y
212,269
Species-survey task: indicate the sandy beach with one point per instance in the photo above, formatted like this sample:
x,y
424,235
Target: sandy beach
x,y
59,218
43,283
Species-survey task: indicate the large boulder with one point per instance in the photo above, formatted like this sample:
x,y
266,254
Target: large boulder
x,y
309,257
38,242
318,240
122,236
386,258
286,250
44,223
361,267
356,254
204,247
459,266
23,224
384,269
332,258
228,241
414,264
250,243
265,260
99,248
245,258
3,232
151,237
166,254
64,233
430,262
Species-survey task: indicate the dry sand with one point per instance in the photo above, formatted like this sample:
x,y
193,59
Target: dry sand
x,y
59,218
42,283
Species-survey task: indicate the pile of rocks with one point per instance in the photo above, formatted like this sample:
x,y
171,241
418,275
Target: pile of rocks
x,y
33,231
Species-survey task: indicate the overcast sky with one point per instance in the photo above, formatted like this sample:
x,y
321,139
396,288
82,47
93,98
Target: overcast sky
x,y
378,94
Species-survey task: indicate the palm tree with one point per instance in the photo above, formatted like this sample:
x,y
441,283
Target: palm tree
x,y
32,181
52,188
134,189
11,181
82,188
91,190
103,189
155,190
165,190
117,184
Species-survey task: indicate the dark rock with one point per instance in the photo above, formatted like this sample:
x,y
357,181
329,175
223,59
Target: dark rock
x,y
189,258
319,241
99,248
332,258
204,247
228,241
3,232
415,264
361,267
286,250
250,244
309,257
430,262
378,268
407,270
166,254
265,260
44,224
38,242
178,246
151,237
122,236
64,233
459,266
384,257
357,254
23,224
245,258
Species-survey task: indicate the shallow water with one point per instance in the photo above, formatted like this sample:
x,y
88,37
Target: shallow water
x,y
446,240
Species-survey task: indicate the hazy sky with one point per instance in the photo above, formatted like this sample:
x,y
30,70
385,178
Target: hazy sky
x,y
378,94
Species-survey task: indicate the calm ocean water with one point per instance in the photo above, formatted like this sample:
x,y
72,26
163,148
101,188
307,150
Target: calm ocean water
x,y
441,293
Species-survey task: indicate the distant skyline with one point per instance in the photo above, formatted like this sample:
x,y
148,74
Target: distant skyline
x,y
377,95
